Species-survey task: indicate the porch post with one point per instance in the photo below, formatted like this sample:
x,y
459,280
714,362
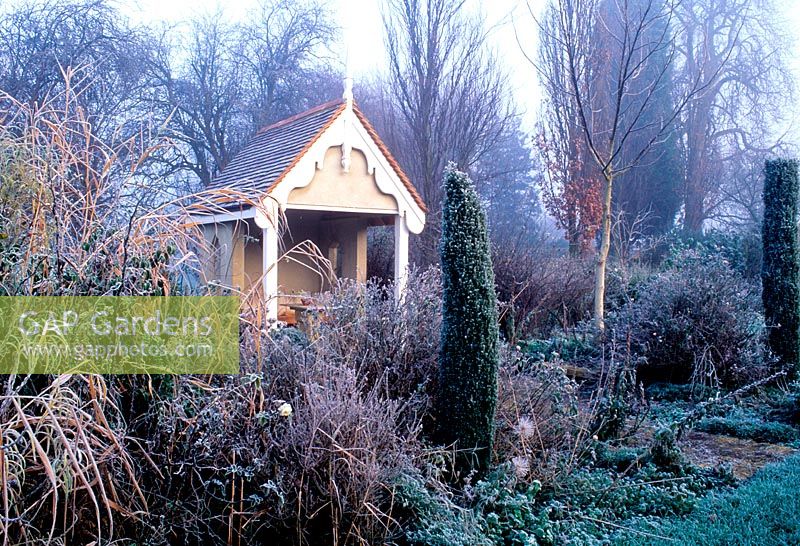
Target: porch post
x,y
269,266
400,256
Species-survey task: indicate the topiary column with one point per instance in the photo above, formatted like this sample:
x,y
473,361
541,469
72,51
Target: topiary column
x,y
468,356
780,270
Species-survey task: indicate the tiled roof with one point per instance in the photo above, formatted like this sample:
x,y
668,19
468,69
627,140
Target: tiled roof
x,y
277,148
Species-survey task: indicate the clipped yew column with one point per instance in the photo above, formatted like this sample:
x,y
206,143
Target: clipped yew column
x,y
780,273
468,357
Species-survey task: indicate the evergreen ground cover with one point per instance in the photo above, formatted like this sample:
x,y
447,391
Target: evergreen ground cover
x,y
762,512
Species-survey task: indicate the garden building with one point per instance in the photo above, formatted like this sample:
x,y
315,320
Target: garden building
x,y
324,177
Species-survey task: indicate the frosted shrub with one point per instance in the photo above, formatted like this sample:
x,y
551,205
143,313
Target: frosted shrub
x,y
696,322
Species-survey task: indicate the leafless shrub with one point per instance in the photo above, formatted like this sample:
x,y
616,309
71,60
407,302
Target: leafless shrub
x,y
356,386
628,235
351,448
243,465
697,322
367,330
618,400
540,423
542,289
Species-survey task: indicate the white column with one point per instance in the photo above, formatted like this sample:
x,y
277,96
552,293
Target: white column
x,y
400,256
269,265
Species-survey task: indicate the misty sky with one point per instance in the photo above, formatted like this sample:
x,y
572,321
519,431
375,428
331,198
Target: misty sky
x,y
361,21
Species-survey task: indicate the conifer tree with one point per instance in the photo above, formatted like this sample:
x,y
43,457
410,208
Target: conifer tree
x,y
780,273
468,356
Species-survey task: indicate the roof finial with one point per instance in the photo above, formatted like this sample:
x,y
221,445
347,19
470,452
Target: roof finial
x,y
348,91
347,96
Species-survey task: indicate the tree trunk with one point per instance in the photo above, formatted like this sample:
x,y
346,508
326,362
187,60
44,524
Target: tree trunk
x,y
602,255
574,246
694,215
697,164
695,194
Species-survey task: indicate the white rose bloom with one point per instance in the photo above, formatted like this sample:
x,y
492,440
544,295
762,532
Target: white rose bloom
x,y
285,410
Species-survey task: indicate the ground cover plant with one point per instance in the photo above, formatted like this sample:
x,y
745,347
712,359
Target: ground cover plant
x,y
762,511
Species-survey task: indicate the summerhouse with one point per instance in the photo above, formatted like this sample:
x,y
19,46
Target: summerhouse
x,y
330,177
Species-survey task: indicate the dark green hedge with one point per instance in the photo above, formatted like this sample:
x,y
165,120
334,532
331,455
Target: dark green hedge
x,y
780,273
468,356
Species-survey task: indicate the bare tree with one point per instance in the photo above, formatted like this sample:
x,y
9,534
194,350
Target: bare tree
x,y
232,80
281,53
615,57
44,45
83,59
571,185
738,200
735,49
450,99
201,96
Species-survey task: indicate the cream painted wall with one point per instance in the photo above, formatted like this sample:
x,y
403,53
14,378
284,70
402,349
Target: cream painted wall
x,y
236,260
351,236
217,260
347,233
252,260
332,187
296,273
240,251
